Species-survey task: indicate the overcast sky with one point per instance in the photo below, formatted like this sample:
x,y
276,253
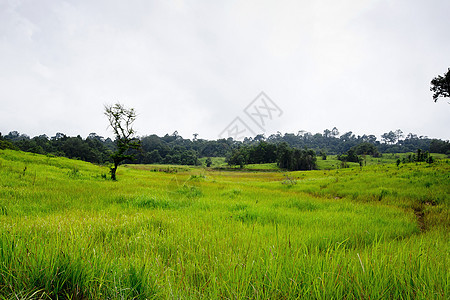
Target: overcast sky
x,y
194,66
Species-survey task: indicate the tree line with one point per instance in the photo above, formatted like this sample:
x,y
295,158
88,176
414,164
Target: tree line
x,y
286,157
174,149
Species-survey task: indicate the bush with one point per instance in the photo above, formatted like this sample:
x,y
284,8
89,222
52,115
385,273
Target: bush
x,y
6,145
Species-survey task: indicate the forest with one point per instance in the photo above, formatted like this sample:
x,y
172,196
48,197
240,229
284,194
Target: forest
x,y
174,149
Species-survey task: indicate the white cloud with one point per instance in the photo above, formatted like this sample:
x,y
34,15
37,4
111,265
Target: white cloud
x,y
193,66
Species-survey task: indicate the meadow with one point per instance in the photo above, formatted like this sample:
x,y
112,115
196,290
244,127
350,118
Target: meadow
x,y
379,231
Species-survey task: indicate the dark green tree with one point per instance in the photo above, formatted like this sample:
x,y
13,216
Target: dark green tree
x,y
5,144
284,156
366,148
121,120
208,162
438,146
238,157
351,156
389,137
154,157
294,159
440,86
419,155
334,132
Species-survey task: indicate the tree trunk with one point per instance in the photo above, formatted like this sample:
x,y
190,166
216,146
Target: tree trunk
x,y
113,172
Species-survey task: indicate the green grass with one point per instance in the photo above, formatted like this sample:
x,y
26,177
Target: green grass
x,y
263,167
332,162
216,161
188,232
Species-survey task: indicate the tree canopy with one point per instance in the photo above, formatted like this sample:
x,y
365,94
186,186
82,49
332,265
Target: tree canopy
x,y
440,86
286,157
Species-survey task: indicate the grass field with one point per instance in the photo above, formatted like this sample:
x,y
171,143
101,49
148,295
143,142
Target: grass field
x,y
330,163
388,158
216,162
377,232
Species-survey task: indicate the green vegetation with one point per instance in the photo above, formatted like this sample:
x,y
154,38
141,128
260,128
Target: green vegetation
x,y
332,161
176,150
66,231
263,167
264,153
215,161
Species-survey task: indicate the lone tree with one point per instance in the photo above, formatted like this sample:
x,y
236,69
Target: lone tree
x,y
121,120
440,85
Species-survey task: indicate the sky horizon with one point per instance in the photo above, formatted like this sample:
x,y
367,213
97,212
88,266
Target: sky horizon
x,y
220,68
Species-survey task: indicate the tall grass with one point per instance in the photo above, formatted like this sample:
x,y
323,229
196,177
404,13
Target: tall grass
x,y
66,232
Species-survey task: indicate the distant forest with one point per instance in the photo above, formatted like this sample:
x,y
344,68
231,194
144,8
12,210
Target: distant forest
x,y
174,149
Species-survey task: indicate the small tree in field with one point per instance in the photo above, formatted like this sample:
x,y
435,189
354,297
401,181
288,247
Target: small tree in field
x,y
208,162
121,121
